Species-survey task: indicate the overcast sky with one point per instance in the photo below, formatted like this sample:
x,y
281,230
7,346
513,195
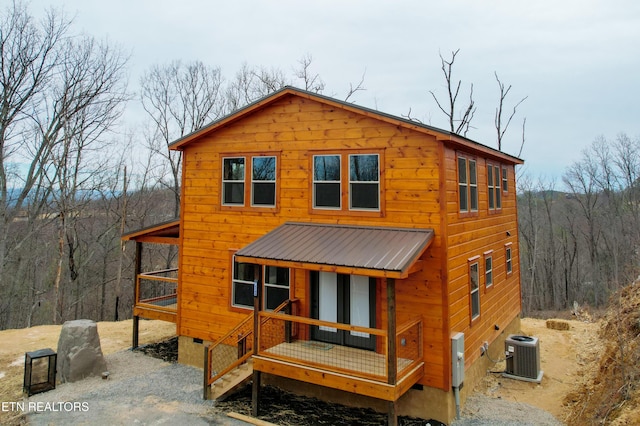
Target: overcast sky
x,y
578,61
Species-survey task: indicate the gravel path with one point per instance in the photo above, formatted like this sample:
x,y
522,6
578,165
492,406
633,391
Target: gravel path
x,y
142,390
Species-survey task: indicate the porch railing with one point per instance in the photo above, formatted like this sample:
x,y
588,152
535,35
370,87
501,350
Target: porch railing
x,y
278,341
157,289
233,349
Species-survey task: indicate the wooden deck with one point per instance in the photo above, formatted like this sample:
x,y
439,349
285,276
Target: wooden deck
x,y
165,309
336,357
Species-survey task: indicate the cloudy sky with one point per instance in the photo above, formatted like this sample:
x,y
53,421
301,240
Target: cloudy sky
x,y
578,61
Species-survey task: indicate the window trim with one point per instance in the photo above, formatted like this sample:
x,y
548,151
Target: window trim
x,y
494,192
247,202
263,282
345,193
505,179
469,187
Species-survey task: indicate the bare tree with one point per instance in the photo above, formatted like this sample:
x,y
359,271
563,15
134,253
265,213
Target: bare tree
x,y
179,99
312,81
462,124
501,125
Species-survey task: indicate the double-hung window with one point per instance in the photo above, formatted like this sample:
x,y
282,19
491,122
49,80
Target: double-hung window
x,y
233,181
326,182
488,270
276,285
474,290
364,181
351,180
507,256
493,187
467,185
258,185
263,181
505,179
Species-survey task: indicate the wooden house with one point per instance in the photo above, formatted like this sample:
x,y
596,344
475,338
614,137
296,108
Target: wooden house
x,y
336,251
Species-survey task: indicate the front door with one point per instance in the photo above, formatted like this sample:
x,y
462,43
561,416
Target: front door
x,y
345,299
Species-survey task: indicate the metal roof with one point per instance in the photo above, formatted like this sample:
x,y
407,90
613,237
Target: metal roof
x,y
381,251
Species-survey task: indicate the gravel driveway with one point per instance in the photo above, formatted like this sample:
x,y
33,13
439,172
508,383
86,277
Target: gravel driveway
x,y
142,390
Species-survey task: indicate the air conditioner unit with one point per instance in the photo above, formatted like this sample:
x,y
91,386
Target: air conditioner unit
x,y
523,358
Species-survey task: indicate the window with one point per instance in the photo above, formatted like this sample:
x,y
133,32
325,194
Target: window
x,y
260,189
326,181
488,270
233,181
507,256
505,179
364,182
360,175
242,289
474,293
493,184
276,285
263,181
467,185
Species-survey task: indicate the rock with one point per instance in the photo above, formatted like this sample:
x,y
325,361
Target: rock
x,y
79,351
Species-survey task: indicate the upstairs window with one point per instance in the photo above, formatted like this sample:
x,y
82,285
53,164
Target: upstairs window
x,y
467,185
346,180
505,179
364,182
326,182
263,181
507,256
493,187
233,181
255,187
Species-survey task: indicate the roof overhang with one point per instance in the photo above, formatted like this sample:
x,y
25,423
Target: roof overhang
x,y
347,249
161,233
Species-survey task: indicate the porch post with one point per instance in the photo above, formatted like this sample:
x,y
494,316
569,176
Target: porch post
x,y
392,363
136,295
257,305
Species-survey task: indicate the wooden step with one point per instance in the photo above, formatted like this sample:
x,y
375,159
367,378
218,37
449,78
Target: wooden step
x,y
232,381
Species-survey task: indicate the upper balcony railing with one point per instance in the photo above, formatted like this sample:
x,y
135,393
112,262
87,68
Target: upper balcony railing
x,y
157,289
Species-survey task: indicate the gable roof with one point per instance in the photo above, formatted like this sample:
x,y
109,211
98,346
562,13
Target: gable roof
x,y
440,134
366,250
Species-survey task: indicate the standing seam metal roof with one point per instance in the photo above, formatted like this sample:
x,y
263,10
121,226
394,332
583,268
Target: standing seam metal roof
x,y
367,247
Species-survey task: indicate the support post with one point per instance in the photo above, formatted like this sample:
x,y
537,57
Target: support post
x,y
257,305
392,363
136,295
207,374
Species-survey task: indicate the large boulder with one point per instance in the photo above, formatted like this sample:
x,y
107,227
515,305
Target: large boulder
x,y
79,351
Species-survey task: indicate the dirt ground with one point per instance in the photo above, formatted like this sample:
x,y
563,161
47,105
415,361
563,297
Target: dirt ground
x,y
565,357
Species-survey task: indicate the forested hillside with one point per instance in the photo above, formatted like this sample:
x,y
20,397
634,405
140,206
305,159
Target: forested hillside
x,y
73,178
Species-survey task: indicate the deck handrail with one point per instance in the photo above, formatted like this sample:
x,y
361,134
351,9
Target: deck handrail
x,y
208,378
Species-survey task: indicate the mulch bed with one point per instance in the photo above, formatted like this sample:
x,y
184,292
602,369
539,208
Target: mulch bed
x,y
166,350
287,409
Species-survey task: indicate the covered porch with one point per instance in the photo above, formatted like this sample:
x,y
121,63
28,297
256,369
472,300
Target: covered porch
x,y
381,361
155,292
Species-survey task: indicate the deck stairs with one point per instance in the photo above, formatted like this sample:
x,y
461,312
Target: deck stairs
x,y
232,381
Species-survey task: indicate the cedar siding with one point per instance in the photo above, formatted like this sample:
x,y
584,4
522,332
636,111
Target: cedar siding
x,y
418,189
